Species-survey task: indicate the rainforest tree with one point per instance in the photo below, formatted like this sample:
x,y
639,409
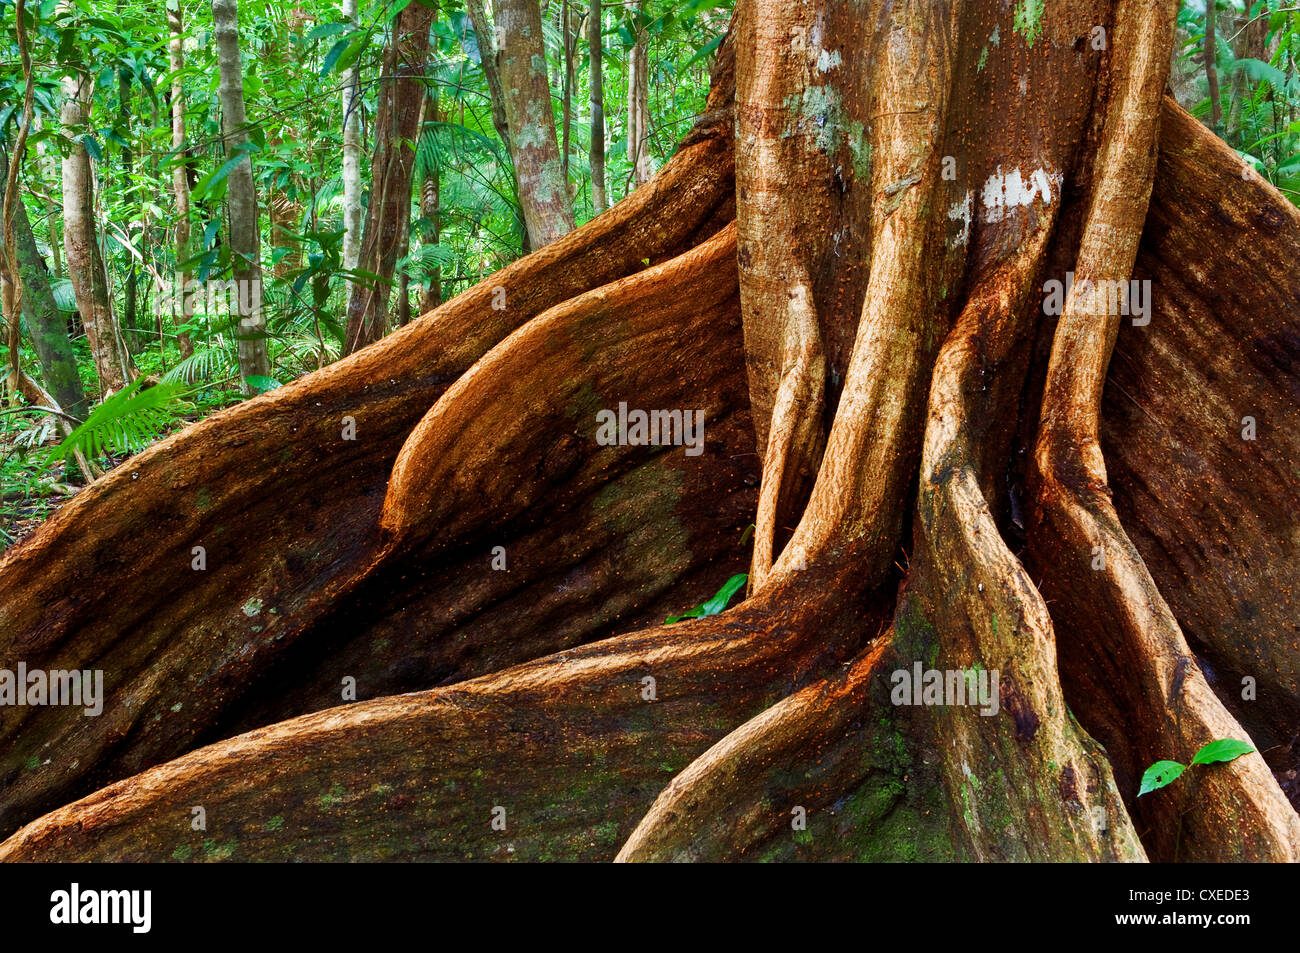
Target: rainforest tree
x,y
411,607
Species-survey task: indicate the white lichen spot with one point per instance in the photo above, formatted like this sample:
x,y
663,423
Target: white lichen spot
x,y
1006,192
964,212
252,607
828,60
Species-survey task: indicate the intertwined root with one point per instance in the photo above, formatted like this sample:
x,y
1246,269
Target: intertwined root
x,y
568,722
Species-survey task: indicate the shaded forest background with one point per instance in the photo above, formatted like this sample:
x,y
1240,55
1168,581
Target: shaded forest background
x,y
357,165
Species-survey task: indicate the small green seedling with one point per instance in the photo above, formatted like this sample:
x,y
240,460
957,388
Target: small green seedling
x,y
1163,773
715,605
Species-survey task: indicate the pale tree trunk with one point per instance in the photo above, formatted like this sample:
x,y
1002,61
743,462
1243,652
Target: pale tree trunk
x,y
638,104
81,245
351,154
595,44
179,298
241,202
543,191
950,468
388,217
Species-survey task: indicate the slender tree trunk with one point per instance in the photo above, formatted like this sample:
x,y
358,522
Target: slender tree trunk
x,y
180,298
130,286
1211,54
241,202
486,36
388,218
81,245
543,191
595,26
638,103
567,37
487,51
351,154
45,325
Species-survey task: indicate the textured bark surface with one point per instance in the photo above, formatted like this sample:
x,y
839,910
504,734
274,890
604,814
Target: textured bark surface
x,y
526,90
942,473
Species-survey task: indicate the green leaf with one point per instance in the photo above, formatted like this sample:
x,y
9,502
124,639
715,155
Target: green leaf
x,y
127,422
1225,749
1160,774
92,147
328,29
332,57
260,383
715,605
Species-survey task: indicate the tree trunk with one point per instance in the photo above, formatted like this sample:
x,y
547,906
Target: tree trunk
x,y
597,154
855,267
569,39
487,50
81,245
388,218
130,288
351,155
179,298
543,190
45,324
638,103
241,202
1210,56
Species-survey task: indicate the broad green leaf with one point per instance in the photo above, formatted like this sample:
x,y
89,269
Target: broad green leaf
x,y
261,384
332,56
1160,774
327,29
1225,749
715,605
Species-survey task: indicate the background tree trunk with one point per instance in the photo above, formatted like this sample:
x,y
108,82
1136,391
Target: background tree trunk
x,y
595,27
638,101
351,154
130,289
1210,56
179,301
388,218
81,245
241,201
543,191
